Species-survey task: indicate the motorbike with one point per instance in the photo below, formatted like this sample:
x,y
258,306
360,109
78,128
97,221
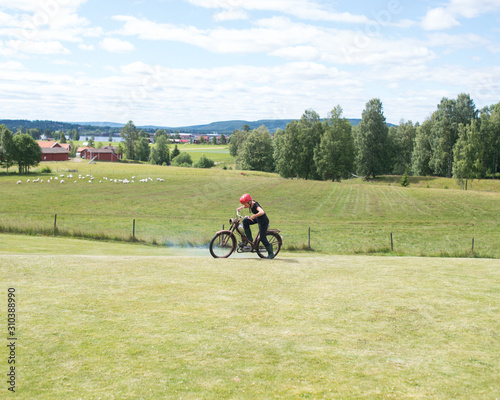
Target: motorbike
x,y
224,243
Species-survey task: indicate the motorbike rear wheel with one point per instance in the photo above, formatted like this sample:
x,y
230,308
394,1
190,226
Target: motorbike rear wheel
x,y
275,240
222,245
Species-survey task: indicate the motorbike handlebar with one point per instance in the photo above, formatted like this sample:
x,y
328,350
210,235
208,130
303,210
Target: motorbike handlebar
x,y
239,215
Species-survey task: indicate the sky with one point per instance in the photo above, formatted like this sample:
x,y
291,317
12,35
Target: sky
x,y
188,62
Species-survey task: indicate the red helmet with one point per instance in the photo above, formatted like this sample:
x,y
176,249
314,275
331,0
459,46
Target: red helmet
x,y
245,198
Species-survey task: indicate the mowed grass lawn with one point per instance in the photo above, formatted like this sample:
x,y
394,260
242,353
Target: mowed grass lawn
x,y
191,204
300,326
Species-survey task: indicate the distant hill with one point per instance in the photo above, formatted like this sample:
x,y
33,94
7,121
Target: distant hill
x,y
220,127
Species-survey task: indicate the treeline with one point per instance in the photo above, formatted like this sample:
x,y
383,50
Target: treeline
x,y
135,146
53,129
456,141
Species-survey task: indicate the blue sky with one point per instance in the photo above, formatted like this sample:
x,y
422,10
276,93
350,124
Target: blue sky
x,y
187,62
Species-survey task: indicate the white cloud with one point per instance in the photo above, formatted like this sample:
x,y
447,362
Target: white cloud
x,y
441,18
279,36
457,42
39,27
114,45
306,9
230,15
41,47
86,47
12,66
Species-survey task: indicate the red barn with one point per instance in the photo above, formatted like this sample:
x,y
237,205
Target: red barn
x,y
104,154
53,151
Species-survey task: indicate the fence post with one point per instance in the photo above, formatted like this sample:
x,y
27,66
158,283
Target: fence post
x,y
392,243
309,239
133,230
55,223
472,252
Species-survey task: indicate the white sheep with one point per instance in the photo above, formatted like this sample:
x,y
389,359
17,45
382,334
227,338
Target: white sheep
x,y
61,181
28,180
18,182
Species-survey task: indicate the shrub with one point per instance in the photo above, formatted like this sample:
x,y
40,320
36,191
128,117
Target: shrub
x,y
182,159
46,170
204,162
405,180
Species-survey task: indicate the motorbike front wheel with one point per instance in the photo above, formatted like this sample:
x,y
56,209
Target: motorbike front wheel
x,y
275,240
222,245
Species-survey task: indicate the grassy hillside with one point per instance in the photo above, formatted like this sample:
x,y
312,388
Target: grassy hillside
x,y
431,217
335,327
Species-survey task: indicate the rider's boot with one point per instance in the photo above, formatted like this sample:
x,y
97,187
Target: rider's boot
x,y
248,234
270,252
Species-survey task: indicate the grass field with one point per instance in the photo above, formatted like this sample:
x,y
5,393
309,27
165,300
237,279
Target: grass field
x,y
175,325
352,217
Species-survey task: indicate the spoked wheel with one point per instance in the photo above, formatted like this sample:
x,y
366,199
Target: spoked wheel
x,y
222,245
274,239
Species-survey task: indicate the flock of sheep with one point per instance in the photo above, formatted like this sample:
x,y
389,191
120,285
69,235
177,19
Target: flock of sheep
x,y
90,179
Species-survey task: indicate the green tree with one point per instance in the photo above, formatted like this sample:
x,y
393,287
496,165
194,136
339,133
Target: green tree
x,y
74,134
91,142
175,152
490,136
236,141
372,141
204,162
256,153
182,160
445,123
6,147
287,150
62,138
72,152
310,132
142,149
422,150
160,154
494,140
334,157
295,148
27,153
403,140
159,133
35,133
130,135
468,153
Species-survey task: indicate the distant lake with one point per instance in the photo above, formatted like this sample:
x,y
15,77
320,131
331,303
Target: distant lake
x,y
85,138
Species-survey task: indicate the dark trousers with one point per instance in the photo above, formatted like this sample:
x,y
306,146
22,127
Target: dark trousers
x,y
262,229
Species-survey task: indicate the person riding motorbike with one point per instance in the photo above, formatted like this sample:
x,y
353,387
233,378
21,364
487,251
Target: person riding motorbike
x,y
259,217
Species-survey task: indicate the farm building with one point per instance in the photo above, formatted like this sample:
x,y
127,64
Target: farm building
x,y
107,153
53,151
